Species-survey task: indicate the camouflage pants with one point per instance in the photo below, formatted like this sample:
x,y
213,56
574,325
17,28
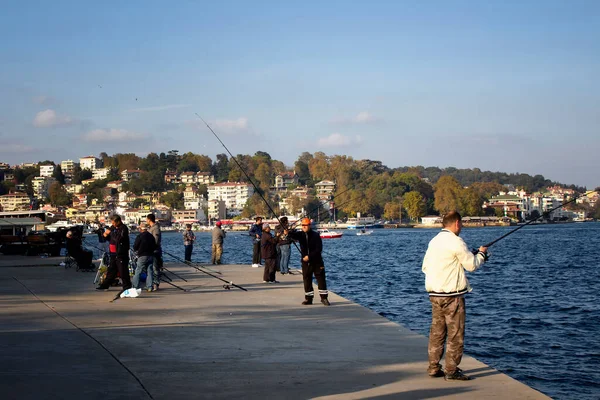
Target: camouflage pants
x,y
447,326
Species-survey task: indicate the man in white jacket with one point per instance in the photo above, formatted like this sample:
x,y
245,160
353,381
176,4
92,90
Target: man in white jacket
x,y
444,266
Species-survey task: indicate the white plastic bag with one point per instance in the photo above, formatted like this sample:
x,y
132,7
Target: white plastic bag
x,y
131,293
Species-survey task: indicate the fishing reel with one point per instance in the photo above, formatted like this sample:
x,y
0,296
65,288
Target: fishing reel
x,y
486,256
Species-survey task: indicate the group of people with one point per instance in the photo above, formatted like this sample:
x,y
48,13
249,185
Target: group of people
x,y
275,250
444,265
147,246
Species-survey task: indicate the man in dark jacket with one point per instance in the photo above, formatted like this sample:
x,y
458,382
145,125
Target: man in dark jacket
x,y
144,247
75,249
311,247
283,246
218,235
118,246
256,233
269,252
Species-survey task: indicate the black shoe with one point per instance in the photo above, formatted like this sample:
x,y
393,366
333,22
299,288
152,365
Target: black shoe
x,y
325,302
102,288
457,376
437,374
307,302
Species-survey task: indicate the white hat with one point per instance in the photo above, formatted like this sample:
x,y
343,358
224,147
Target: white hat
x,y
265,226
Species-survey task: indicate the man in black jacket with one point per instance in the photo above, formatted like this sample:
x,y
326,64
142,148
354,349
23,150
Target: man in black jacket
x,y
311,247
269,253
144,247
118,246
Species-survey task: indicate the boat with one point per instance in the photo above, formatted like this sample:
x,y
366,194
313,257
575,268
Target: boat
x,y
356,223
62,224
327,234
363,232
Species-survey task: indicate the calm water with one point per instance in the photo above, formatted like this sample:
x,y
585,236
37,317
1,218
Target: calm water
x,y
534,313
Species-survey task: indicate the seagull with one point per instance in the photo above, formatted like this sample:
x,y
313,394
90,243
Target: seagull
x,y
100,86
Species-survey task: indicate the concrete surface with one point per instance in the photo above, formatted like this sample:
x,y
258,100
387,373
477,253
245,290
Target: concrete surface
x,y
60,339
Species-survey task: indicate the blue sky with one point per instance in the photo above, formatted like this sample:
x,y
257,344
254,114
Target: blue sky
x,y
507,86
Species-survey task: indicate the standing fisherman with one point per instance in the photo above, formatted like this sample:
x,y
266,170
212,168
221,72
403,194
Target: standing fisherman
x,y
268,249
218,235
119,254
255,233
444,265
188,242
157,264
311,247
283,246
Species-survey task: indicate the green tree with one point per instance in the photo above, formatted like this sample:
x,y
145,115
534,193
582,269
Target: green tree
x,y
391,210
414,203
58,195
470,203
58,174
447,194
173,200
221,168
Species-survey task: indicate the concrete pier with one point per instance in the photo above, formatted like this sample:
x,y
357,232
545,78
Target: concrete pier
x,y
60,339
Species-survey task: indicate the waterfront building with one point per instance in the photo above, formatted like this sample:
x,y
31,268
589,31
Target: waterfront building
x,y
73,188
204,178
100,173
90,162
128,174
40,185
67,167
46,170
324,189
15,201
285,180
188,216
234,194
217,209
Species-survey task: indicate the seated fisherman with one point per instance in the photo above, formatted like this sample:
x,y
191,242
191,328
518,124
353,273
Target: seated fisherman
x,y
75,250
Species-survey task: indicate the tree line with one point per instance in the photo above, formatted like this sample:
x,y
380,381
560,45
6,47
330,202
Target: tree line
x,y
362,186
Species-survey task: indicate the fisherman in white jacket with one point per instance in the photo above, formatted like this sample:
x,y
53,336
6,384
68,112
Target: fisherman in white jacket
x,y
444,266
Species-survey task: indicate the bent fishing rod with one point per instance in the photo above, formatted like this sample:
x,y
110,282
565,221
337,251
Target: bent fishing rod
x,y
227,285
546,213
247,176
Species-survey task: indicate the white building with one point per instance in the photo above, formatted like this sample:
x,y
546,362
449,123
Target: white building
x,y
40,185
192,200
100,173
67,167
90,162
324,189
188,216
46,170
128,174
234,194
14,201
217,209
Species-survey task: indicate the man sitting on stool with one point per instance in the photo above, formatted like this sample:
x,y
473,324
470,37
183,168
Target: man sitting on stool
x,y
82,257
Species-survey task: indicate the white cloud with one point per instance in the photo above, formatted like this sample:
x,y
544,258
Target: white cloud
x,y
231,125
363,117
161,108
49,118
339,140
112,135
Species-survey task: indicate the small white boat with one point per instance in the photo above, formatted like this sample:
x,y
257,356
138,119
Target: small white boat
x,y
327,234
363,232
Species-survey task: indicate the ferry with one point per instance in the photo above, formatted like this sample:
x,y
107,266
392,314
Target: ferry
x,y
360,222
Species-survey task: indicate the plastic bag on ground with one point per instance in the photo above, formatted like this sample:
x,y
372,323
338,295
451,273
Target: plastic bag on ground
x,y
131,293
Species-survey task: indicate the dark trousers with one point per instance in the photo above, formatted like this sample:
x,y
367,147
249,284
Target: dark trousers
x,y
308,271
447,326
188,252
256,252
120,265
269,272
84,259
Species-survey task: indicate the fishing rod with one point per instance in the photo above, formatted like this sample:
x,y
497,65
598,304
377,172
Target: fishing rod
x,y
197,265
227,285
546,213
247,176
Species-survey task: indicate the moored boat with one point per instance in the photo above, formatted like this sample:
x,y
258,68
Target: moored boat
x,y
327,234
